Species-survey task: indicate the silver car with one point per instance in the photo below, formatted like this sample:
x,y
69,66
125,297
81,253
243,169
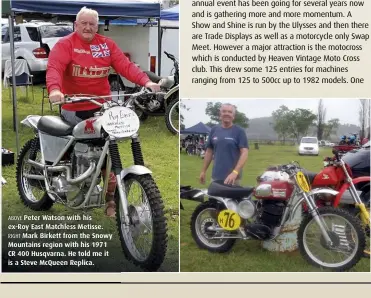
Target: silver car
x,y
33,42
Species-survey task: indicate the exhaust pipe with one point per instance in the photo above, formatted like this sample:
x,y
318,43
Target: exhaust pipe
x,y
66,169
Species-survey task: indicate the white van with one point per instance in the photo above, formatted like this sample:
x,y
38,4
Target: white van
x,y
309,146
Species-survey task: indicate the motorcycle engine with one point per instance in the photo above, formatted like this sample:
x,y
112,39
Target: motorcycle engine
x,y
271,212
75,194
151,102
269,215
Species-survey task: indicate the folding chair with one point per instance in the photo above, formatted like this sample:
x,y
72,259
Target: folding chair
x,y
22,78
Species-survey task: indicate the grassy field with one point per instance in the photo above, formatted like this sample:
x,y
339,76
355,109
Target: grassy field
x,y
245,256
160,151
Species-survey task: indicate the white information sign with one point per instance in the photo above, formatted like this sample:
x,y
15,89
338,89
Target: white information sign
x,y
120,122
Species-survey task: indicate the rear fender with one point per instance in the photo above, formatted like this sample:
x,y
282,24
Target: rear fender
x,y
31,121
218,201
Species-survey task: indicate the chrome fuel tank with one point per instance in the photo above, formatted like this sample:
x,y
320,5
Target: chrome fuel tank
x,y
88,129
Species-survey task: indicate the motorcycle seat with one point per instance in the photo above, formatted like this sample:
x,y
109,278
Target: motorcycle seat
x,y
310,176
219,189
153,77
55,126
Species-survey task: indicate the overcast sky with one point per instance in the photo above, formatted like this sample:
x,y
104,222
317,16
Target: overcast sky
x,y
344,109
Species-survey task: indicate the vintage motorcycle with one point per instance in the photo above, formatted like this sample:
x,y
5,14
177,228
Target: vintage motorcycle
x,y
62,164
231,214
164,103
353,188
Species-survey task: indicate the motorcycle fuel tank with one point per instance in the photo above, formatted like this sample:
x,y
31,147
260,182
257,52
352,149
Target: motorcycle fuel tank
x,y
327,177
274,190
88,129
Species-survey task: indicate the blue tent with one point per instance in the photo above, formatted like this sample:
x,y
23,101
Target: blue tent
x,y
198,129
170,14
108,8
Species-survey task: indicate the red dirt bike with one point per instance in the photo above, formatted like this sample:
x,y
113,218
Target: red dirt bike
x,y
337,175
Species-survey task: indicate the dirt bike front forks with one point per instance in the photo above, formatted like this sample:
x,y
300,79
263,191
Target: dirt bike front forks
x,y
313,210
115,162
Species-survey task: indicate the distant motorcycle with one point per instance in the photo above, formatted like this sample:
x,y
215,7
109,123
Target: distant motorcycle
x,y
164,103
352,139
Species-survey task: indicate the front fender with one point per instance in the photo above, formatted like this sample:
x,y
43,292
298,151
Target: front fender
x,y
171,92
346,186
322,191
136,170
311,193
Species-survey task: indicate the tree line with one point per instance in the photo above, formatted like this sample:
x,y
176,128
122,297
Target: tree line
x,y
296,123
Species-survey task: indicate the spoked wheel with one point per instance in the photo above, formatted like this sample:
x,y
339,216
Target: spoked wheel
x,y
347,236
172,116
365,197
144,241
204,227
31,191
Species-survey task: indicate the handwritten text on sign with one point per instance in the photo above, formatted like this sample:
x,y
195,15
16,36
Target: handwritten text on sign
x,y
120,122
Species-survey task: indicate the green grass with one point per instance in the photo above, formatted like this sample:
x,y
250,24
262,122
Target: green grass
x,y
245,256
160,151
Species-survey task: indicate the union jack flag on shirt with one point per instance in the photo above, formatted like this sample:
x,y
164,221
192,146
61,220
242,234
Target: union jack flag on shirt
x,y
99,51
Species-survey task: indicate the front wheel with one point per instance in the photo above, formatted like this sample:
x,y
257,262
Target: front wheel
x,y
144,241
346,234
204,227
32,192
172,116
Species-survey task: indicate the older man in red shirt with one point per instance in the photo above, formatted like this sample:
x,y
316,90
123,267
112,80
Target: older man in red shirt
x,y
80,63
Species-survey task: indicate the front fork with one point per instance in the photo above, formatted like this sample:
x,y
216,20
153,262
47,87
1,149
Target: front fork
x,y
115,159
364,215
319,220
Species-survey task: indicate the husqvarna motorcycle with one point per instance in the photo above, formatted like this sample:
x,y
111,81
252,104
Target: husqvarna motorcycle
x,y
62,164
330,238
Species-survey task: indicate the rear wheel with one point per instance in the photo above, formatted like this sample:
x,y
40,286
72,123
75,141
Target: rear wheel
x,y
203,220
172,115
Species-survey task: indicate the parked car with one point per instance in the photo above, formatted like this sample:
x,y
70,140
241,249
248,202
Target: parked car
x,y
33,42
359,160
308,146
324,143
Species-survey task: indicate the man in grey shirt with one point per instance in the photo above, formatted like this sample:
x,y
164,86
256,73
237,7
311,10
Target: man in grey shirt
x,y
228,144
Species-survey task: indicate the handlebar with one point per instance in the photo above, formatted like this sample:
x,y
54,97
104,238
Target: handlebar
x,y
290,168
93,99
170,56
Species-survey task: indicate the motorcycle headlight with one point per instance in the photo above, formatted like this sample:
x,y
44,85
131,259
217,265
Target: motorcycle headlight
x,y
246,209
